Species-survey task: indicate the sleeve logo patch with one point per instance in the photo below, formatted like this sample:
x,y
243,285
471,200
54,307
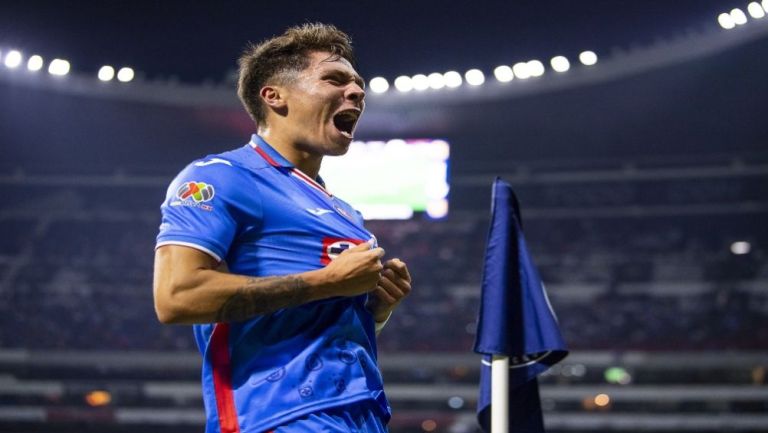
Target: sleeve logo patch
x,y
194,194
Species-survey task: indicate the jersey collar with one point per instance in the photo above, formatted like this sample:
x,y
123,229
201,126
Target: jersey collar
x,y
269,154
275,159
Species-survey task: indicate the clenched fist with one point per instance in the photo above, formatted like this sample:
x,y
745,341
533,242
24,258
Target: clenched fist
x,y
355,271
393,286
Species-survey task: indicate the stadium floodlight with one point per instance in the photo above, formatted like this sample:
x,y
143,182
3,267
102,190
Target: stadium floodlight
x,y
452,79
503,73
58,67
379,84
474,77
536,68
125,74
588,58
738,16
521,70
726,21
765,6
106,73
403,83
741,247
436,80
560,64
35,63
420,82
755,10
13,59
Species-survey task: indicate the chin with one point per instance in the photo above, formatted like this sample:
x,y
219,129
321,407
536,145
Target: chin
x,y
338,149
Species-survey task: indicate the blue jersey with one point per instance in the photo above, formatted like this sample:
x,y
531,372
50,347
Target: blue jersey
x,y
251,208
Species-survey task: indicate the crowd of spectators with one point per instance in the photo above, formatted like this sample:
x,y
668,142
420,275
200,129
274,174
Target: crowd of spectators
x,y
81,278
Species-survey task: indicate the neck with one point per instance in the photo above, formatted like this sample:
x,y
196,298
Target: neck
x,y
307,162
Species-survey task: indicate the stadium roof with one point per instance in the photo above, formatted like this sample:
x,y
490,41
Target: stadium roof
x,y
195,41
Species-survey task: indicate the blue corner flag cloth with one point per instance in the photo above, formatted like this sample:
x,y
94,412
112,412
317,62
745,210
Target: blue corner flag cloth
x,y
515,319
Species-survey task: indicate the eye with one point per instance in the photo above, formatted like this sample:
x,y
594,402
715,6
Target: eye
x,y
333,80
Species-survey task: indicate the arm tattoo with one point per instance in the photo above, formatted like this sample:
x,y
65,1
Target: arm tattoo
x,y
263,295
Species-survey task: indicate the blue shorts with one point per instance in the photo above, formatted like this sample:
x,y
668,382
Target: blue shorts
x,y
355,418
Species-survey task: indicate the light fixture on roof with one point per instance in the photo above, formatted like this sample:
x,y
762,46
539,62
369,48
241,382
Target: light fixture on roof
x,y
588,58
403,83
560,63
726,21
35,63
436,80
503,73
420,82
521,70
536,68
474,77
378,84
106,73
125,74
59,67
755,10
738,17
12,59
741,247
452,79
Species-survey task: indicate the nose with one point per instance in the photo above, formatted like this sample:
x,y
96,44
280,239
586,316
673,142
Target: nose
x,y
355,93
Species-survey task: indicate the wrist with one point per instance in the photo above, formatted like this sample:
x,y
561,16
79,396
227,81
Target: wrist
x,y
320,283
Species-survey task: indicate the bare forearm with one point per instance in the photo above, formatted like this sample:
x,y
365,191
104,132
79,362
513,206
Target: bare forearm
x,y
263,295
213,296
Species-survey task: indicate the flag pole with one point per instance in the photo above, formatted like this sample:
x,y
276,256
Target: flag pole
x,y
499,394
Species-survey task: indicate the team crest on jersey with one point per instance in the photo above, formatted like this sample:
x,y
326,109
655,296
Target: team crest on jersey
x,y
332,247
194,194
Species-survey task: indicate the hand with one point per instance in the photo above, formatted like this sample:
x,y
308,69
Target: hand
x,y
393,286
355,271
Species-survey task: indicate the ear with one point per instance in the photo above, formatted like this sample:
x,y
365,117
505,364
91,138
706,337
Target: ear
x,y
272,97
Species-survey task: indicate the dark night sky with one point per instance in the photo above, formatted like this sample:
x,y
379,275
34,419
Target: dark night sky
x,y
199,40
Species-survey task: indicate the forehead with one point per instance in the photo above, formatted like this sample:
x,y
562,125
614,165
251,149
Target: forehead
x,y
321,61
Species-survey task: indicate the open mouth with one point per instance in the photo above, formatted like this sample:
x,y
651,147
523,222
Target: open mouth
x,y
346,120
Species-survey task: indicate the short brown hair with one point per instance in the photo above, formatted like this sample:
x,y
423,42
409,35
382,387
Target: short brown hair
x,y
273,60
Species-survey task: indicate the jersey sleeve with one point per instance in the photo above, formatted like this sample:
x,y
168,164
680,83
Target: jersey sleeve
x,y
199,209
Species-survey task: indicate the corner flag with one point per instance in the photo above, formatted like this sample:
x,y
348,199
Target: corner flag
x,y
516,324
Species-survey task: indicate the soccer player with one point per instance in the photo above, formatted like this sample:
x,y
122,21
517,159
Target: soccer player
x,y
284,285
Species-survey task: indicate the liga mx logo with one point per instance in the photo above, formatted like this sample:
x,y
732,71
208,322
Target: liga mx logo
x,y
197,191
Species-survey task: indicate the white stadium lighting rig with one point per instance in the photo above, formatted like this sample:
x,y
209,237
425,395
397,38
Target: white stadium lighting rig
x,y
12,59
521,71
588,58
736,17
436,80
403,83
106,73
560,64
125,74
35,63
474,77
378,84
58,67
452,79
420,82
503,74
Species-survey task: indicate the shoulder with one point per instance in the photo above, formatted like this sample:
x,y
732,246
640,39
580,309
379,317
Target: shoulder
x,y
222,173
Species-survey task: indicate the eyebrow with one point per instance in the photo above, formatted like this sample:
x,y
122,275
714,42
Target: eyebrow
x,y
358,79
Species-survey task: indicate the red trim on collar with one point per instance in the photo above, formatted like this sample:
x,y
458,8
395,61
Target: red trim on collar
x,y
266,156
295,171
